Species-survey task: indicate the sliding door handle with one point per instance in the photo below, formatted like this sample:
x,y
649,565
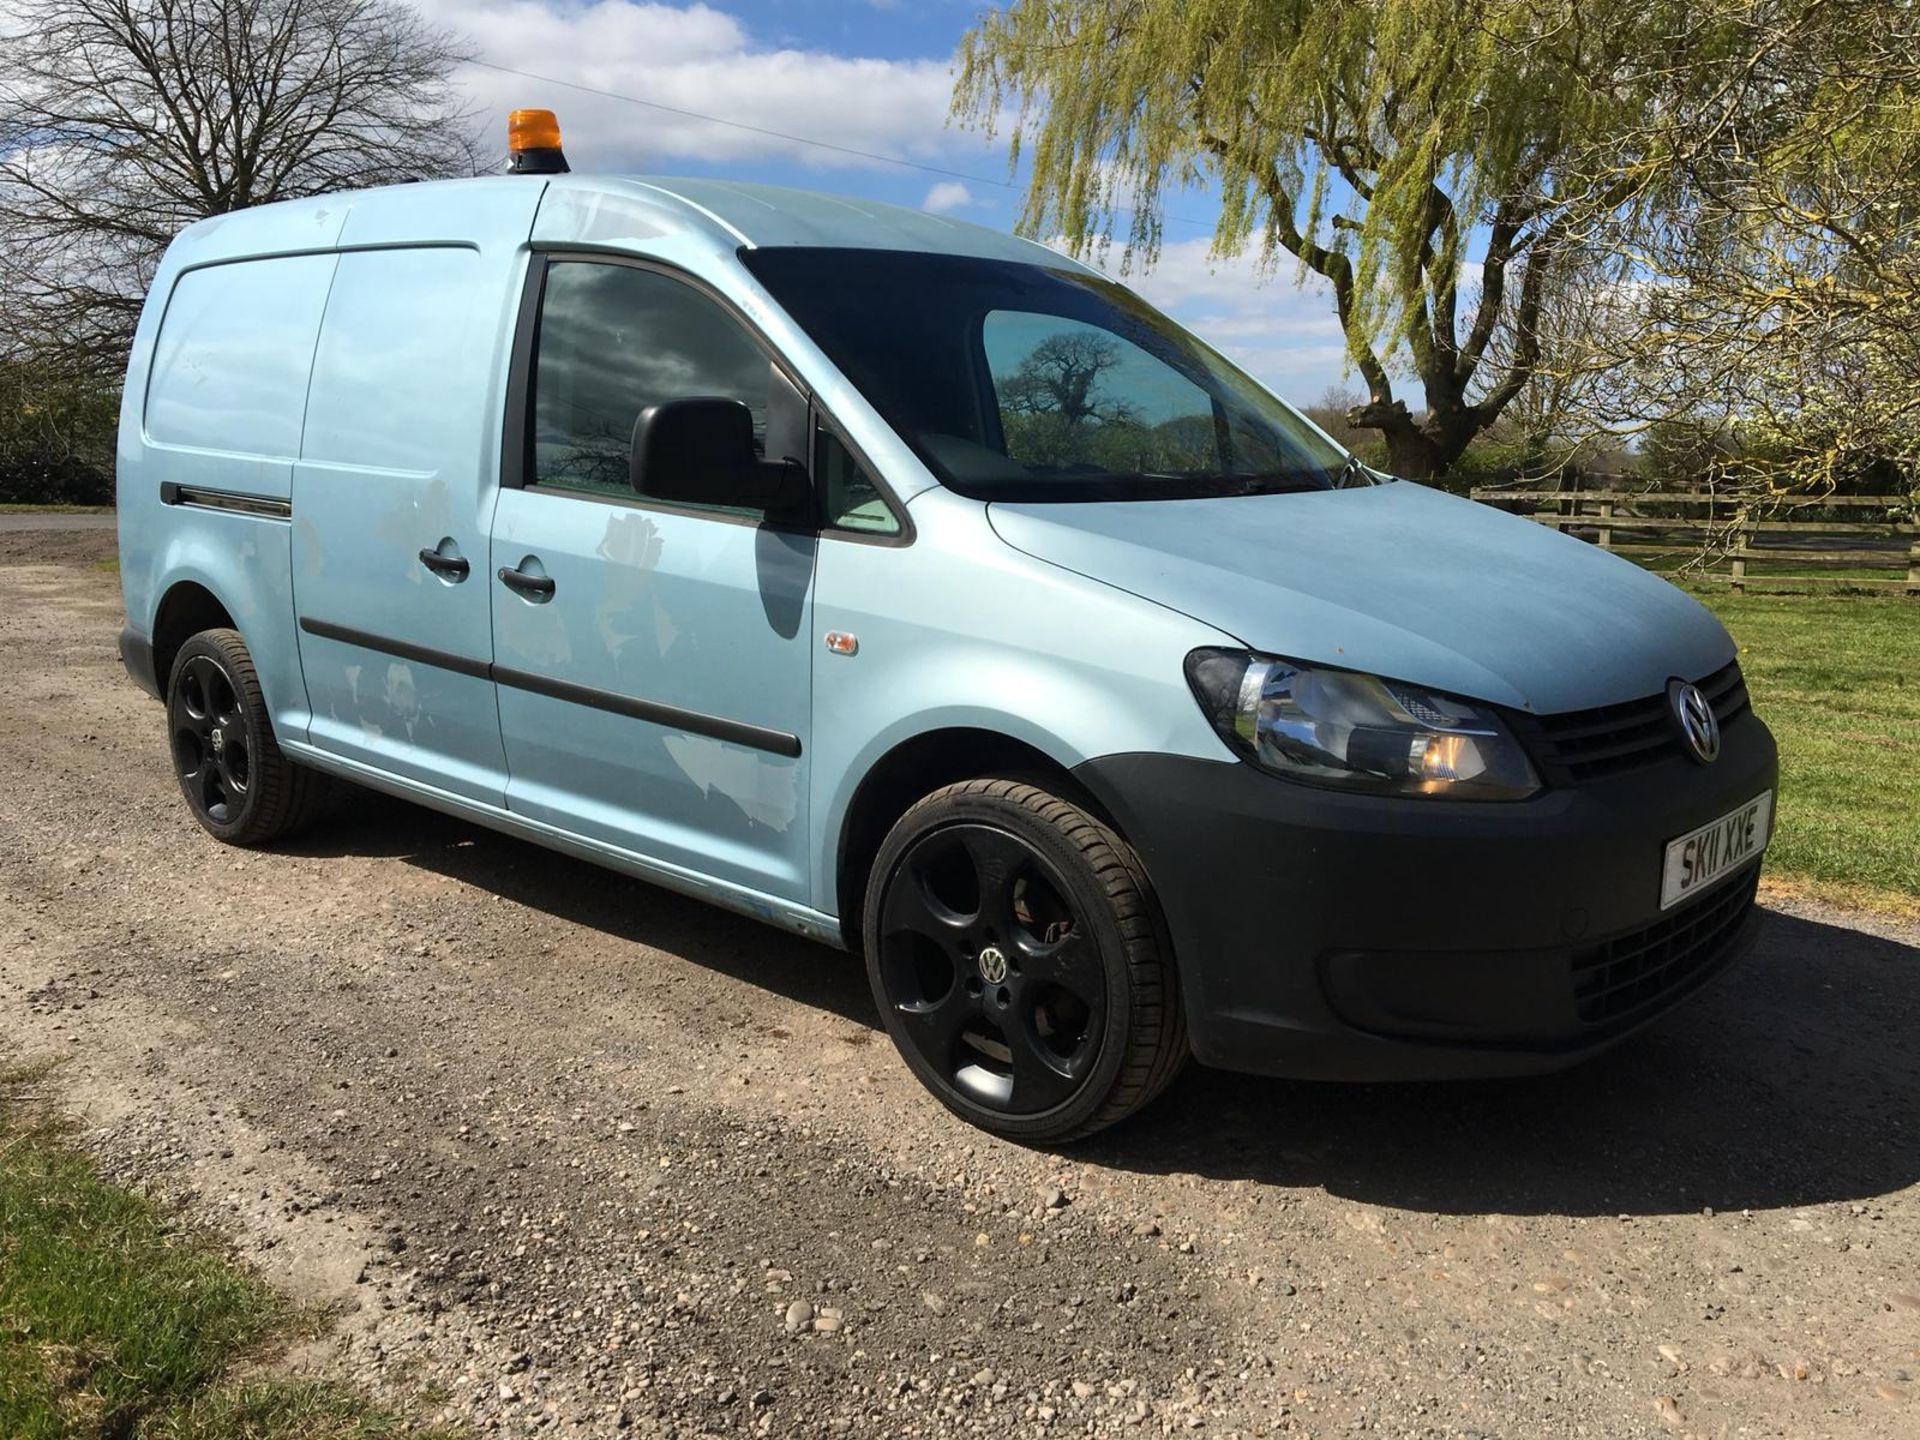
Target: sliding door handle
x,y
453,567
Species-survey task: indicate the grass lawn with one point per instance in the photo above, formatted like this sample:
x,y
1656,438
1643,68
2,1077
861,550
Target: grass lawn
x,y
13,507
1838,679
114,1323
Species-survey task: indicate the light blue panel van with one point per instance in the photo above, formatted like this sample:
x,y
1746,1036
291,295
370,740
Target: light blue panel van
x,y
918,590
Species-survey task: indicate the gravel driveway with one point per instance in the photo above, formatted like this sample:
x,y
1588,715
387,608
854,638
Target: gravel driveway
x,y
573,1155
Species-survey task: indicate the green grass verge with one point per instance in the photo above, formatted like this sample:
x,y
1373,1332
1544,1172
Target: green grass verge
x,y
1838,679
15,507
116,1323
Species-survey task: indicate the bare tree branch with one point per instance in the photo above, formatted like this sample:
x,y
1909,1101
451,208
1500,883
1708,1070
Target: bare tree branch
x,y
123,121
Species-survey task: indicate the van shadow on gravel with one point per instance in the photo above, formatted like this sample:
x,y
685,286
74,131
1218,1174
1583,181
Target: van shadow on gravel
x,y
582,893
1793,1080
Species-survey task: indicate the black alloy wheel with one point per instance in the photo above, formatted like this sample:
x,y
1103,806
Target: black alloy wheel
x,y
997,982
1014,953
237,782
211,748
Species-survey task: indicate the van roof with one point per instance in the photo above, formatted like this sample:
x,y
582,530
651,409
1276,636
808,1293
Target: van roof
x,y
719,215
778,215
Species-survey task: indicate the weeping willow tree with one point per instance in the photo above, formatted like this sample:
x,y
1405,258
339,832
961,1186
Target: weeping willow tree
x,y
1775,322
1435,162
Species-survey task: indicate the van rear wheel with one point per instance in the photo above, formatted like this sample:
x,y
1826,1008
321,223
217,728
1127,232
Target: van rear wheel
x,y
238,784
1014,950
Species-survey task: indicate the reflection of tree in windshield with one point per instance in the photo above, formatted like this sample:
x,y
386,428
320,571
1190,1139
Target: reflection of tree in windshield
x,y
1062,408
1061,376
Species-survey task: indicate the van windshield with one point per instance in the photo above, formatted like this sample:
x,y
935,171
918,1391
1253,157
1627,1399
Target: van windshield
x,y
1023,382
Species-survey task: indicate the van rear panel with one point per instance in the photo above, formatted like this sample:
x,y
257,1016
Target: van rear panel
x,y
210,434
217,417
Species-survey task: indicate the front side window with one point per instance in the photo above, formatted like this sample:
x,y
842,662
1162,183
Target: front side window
x,y
1028,382
613,340
849,500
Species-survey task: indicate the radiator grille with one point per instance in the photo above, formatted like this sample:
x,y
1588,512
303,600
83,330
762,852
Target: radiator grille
x,y
1617,980
1585,745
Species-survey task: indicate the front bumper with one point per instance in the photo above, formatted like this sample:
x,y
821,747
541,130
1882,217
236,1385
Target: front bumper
x,y
1347,937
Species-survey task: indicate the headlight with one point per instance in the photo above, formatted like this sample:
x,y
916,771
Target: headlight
x,y
1357,732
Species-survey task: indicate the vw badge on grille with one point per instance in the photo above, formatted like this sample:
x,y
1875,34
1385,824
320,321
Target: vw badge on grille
x,y
1696,718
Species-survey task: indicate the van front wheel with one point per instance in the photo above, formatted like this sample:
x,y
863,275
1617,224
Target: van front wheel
x,y
1014,950
237,782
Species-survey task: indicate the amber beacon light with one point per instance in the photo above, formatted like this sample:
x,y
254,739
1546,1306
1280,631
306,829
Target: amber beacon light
x,y
533,144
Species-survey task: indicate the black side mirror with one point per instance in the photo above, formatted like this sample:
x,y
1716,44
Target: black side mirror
x,y
699,451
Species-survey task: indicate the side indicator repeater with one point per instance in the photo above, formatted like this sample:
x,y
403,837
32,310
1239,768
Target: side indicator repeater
x,y
842,642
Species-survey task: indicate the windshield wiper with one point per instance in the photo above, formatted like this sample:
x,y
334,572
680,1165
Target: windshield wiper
x,y
1352,472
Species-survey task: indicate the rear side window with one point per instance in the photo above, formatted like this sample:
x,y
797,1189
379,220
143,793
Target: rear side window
x,y
230,366
400,380
615,339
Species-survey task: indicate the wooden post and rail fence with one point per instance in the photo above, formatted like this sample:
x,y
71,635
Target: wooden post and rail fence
x,y
1778,540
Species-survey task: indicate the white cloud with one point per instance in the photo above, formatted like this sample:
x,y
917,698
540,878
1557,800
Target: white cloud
x,y
702,58
697,58
948,196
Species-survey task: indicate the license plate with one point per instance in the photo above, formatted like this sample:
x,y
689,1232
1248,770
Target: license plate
x,y
1702,856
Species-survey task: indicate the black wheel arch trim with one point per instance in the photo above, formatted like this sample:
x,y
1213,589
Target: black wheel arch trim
x,y
136,653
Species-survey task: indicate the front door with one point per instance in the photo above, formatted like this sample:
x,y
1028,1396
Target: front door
x,y
651,662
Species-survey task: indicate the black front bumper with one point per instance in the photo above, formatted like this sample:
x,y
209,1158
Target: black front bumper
x,y
1349,937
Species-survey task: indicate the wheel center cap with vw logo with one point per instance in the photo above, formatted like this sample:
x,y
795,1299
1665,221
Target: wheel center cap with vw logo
x,y
1698,725
219,738
993,965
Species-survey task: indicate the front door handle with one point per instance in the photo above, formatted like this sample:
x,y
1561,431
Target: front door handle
x,y
532,587
454,567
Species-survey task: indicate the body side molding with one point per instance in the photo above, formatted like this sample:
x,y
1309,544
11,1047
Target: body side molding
x,y
717,727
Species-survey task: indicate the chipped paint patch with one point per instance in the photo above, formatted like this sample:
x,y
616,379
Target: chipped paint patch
x,y
764,788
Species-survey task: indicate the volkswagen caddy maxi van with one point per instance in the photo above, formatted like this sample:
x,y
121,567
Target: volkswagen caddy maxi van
x,y
913,588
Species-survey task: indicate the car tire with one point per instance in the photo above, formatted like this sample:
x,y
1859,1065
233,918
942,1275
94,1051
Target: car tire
x,y
1019,963
236,781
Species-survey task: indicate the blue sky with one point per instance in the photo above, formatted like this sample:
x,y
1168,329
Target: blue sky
x,y
868,76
